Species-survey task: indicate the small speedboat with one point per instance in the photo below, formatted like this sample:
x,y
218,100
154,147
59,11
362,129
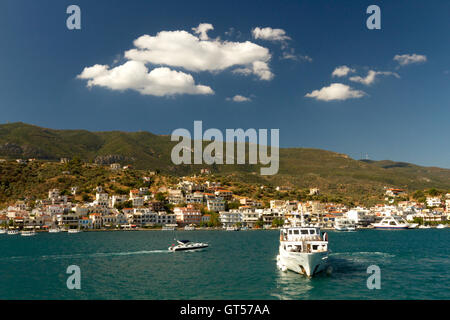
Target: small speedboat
x,y
189,228
233,229
441,226
13,232
184,245
2,231
424,227
73,231
54,230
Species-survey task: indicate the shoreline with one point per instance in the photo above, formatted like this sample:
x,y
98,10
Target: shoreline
x,y
199,229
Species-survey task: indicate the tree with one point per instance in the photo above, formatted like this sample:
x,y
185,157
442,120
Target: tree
x,y
160,196
277,222
434,192
259,223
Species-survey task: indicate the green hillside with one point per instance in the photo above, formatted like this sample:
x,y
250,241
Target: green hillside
x,y
332,172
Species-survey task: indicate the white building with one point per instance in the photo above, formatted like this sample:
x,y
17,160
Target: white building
x,y
216,205
434,201
176,196
229,219
138,201
164,218
196,197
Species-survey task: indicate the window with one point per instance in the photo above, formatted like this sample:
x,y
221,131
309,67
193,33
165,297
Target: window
x,y
304,231
312,231
296,232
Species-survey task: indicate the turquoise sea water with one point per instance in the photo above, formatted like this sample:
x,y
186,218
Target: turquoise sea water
x,y
414,264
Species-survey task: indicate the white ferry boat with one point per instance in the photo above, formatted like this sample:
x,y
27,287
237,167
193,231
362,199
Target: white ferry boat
x,y
184,245
344,224
13,232
392,222
303,250
27,233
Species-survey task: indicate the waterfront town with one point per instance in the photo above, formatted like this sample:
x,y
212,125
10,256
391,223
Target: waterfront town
x,y
199,202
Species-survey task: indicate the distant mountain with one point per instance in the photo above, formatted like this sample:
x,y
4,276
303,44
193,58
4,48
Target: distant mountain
x,y
331,171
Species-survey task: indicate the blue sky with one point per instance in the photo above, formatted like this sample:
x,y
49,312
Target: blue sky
x,y
402,115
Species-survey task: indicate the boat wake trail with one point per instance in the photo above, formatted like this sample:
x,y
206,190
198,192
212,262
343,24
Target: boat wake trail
x,y
85,255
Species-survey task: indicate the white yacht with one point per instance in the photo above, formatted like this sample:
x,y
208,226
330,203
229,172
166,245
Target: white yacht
x,y
54,230
27,233
73,231
168,228
424,227
344,224
392,222
184,245
189,228
2,231
13,232
303,250
441,226
232,229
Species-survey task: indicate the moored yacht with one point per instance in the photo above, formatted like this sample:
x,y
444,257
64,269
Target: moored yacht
x,y
54,230
392,222
27,233
303,250
424,227
232,229
189,228
441,226
344,224
13,232
184,245
2,231
73,231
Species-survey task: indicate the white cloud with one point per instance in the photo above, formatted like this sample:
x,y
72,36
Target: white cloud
x,y
371,76
290,54
261,69
342,71
202,30
134,75
270,34
335,91
406,59
239,98
185,50
243,71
